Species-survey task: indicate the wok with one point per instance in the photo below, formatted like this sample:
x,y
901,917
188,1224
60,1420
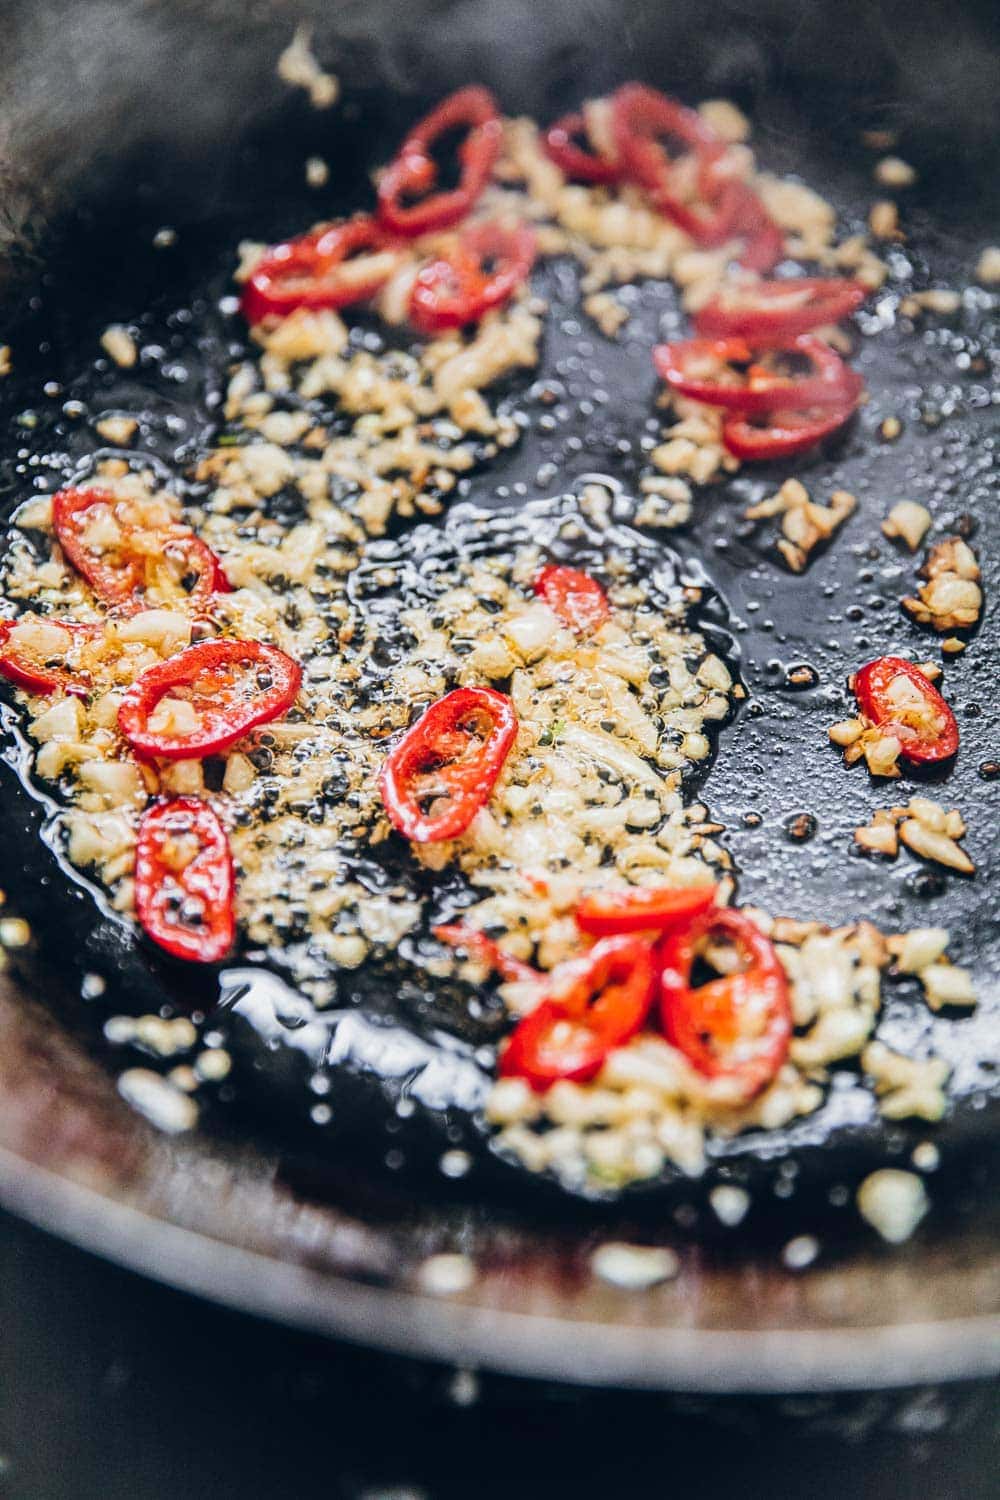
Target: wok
x,y
120,119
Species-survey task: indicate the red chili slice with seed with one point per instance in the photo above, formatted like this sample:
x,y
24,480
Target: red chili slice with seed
x,y
579,162
33,652
574,596
128,564
333,265
780,434
203,700
642,909
895,695
594,1005
488,263
184,880
407,204
769,313
739,1025
445,767
728,373
642,118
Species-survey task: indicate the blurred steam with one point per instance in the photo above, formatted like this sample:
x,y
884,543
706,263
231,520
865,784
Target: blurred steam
x,y
83,82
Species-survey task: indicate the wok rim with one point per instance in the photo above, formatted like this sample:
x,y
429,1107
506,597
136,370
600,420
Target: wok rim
x,y
627,1355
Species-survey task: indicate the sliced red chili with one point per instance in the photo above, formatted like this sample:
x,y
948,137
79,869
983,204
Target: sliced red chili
x,y
414,172
642,909
184,880
485,951
333,265
640,119
576,598
444,768
595,1004
726,372
783,433
486,266
548,1045
769,313
580,162
33,652
203,700
895,695
738,1026
127,562
765,241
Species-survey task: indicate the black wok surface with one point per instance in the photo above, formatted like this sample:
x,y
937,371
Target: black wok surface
x,y
327,1223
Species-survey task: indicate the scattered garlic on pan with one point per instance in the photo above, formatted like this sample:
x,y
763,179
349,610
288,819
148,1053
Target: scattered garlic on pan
x,y
634,1268
950,597
298,66
923,826
909,521
906,1087
164,1106
917,949
726,119
607,312
934,846
883,220
730,1203
893,172
988,266
805,523
856,256
117,342
800,1252
666,502
947,984
117,430
862,741
935,299
14,933
893,1202
880,836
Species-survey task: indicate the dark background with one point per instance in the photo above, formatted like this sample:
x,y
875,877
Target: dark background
x,y
119,1389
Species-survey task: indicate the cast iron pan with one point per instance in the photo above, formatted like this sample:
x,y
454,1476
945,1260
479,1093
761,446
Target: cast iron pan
x,y
325,1217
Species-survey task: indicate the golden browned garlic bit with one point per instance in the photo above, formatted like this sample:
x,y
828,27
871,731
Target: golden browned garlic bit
x,y
893,1202
908,522
936,299
6,363
923,826
950,597
120,345
883,220
880,836
988,266
805,523
906,1087
298,66
893,172
726,119
117,430
607,312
